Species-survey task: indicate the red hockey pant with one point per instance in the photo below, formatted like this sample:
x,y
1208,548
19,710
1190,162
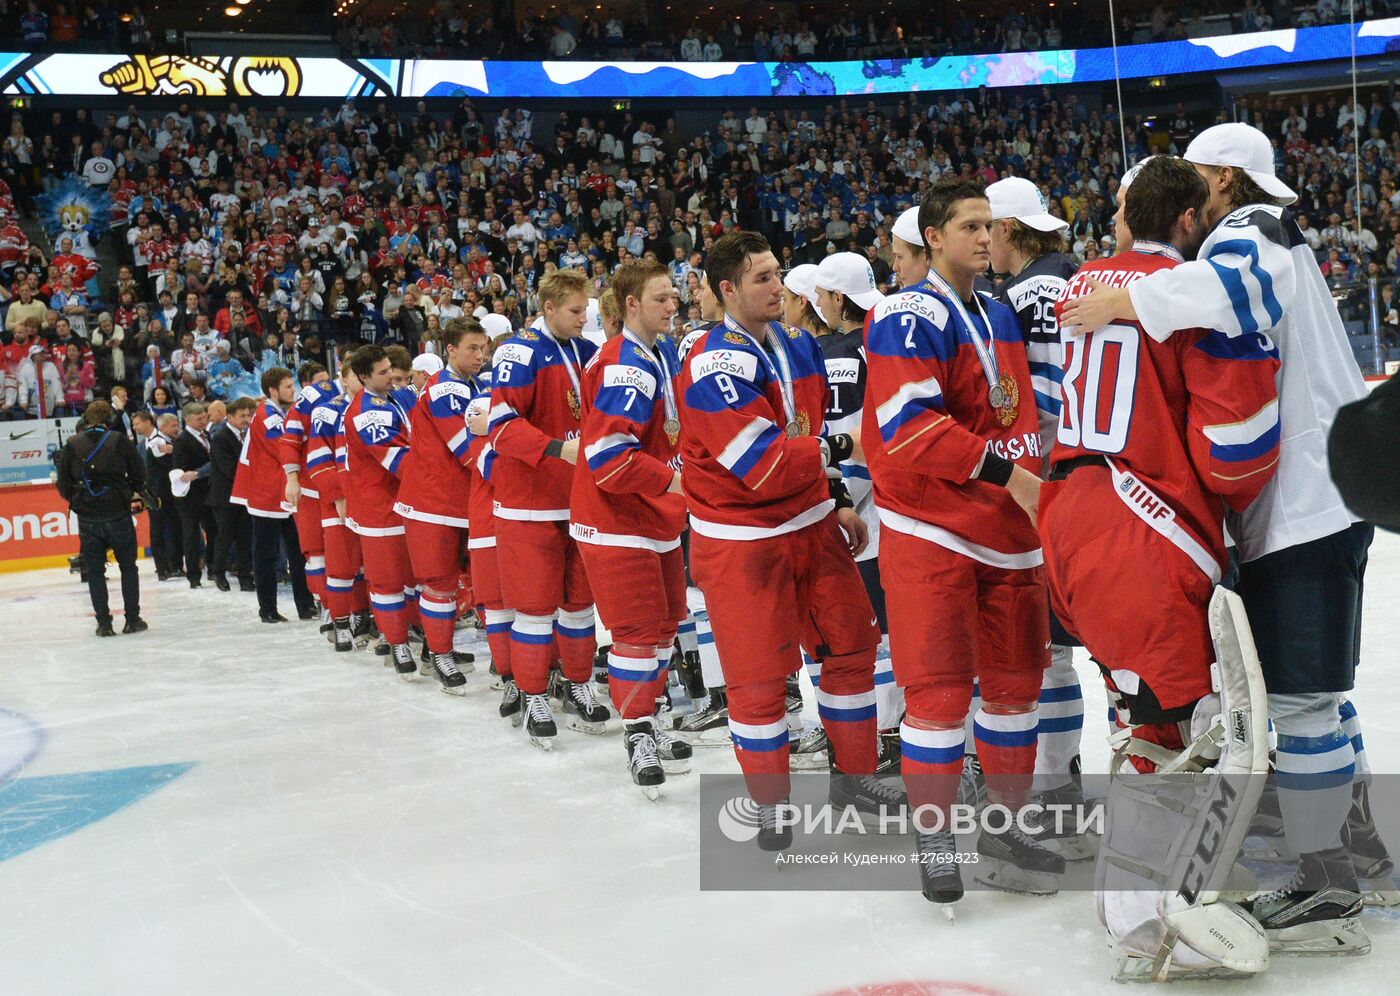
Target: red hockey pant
x,y
435,552
542,574
391,591
486,584
312,542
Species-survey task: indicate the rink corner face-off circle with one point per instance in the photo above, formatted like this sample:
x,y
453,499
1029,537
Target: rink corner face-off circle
x,y
912,987
20,742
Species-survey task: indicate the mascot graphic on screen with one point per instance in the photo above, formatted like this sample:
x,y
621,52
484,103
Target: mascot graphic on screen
x,y
144,75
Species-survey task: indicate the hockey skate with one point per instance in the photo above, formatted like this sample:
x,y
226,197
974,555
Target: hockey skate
x,y
708,727
691,677
557,687
343,638
497,682
461,661
887,762
771,836
1369,856
1014,861
327,625
1318,912
600,667
512,704
539,721
811,752
450,679
402,657
675,753
415,634
972,785
939,876
582,710
642,758
871,796
1060,835
362,629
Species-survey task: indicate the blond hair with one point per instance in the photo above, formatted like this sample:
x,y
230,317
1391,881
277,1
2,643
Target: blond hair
x,y
558,286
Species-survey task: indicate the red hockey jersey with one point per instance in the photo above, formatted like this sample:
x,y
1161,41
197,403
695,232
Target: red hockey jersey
x,y
483,495
295,439
536,380
376,442
627,461
325,453
928,420
745,478
1188,425
260,484
436,484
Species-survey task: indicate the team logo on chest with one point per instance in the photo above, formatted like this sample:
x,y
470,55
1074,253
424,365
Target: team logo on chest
x,y
734,339
804,424
571,397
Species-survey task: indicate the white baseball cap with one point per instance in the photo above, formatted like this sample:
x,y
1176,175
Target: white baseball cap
x,y
802,281
1018,198
496,325
1132,175
850,274
428,363
906,226
1243,147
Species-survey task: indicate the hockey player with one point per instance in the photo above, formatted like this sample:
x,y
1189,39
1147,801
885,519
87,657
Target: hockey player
x,y
845,291
767,523
627,512
1156,438
376,443
260,485
909,251
953,445
1302,554
315,386
435,489
534,427
345,598
1027,244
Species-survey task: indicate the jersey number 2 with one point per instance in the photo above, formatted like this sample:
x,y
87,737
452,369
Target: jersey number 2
x,y
1102,365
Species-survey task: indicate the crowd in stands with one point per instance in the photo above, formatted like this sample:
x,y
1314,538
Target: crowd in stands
x,y
250,238
451,29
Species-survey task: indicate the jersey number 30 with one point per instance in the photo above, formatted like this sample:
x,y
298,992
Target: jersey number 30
x,y
1098,387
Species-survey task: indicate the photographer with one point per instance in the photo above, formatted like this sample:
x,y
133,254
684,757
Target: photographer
x,y
101,477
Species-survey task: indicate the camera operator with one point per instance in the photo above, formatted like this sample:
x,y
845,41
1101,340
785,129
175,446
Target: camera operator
x,y
101,477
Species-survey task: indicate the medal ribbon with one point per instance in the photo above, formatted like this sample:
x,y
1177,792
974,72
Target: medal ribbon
x,y
782,373
986,352
569,368
668,389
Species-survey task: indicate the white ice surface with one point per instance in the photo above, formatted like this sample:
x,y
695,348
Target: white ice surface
x,y
343,831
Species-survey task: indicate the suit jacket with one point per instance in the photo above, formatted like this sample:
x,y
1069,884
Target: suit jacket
x,y
224,448
158,468
191,454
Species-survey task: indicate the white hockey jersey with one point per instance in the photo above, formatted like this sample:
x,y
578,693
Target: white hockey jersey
x,y
1255,273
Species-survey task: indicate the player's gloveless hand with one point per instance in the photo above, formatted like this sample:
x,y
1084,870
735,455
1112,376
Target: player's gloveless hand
x,y
569,451
340,507
1025,489
857,533
478,422
1105,304
292,495
675,488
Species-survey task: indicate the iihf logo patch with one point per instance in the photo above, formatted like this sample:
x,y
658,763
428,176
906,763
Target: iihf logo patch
x,y
1126,485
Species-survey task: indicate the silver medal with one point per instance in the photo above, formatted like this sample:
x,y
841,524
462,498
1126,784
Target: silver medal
x,y
997,396
792,430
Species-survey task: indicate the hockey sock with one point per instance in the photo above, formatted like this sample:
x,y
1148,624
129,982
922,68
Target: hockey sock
x,y
1314,768
390,615
664,649
972,711
438,611
758,728
710,669
339,596
498,622
931,761
846,704
316,576
1061,720
410,597
531,651
1351,726
577,644
685,632
889,697
632,673
814,669
1006,748
359,596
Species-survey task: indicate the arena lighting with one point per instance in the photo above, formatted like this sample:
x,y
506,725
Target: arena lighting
x,y
232,11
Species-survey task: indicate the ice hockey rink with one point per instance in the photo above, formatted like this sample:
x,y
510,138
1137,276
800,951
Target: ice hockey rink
x,y
219,806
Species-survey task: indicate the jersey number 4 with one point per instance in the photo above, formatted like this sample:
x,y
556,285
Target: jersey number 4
x,y
1100,378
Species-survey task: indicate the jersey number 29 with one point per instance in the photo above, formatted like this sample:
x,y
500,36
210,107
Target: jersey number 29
x,y
1102,365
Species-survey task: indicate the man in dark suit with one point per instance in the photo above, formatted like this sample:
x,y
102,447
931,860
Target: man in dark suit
x,y
191,457
235,530
165,520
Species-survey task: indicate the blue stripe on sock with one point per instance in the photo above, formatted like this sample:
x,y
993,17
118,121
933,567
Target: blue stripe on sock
x,y
1064,693
1059,724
